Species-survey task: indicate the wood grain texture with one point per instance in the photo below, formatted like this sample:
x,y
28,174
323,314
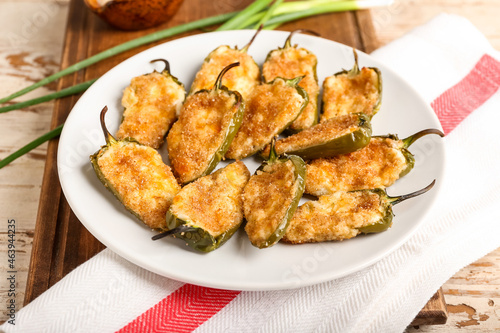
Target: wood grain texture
x,y
472,294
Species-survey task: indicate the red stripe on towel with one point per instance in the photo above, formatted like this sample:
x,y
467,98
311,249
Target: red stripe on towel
x,y
456,103
182,311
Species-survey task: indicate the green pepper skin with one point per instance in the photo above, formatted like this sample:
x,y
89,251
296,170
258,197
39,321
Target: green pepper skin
x,y
300,176
339,145
387,202
296,127
386,221
196,237
231,131
299,181
95,157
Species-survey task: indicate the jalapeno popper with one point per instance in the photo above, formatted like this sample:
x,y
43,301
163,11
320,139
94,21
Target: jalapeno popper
x,y
383,161
339,135
289,62
208,211
242,79
271,197
151,104
270,109
137,176
206,127
353,91
344,215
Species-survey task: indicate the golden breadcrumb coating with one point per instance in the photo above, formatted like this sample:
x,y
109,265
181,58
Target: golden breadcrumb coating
x,y
334,217
151,104
267,198
143,183
214,202
242,79
268,111
290,63
316,135
377,165
343,94
199,133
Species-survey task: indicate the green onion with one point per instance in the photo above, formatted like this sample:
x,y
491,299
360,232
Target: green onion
x,y
122,48
268,14
32,145
59,94
238,19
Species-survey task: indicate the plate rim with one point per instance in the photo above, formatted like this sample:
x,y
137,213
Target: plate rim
x,y
255,286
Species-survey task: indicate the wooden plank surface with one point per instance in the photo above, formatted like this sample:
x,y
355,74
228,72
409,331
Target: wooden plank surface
x,y
30,43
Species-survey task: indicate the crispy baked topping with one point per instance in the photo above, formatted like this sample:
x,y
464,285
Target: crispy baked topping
x,y
268,111
267,198
343,94
292,62
214,202
377,165
144,184
334,217
151,104
242,79
200,131
316,135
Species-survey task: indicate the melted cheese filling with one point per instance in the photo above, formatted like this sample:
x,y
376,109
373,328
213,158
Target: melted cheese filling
x,y
243,78
268,111
344,95
144,183
267,198
199,133
151,103
290,63
334,217
377,165
214,203
316,135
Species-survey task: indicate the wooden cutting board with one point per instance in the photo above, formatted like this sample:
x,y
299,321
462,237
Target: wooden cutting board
x,y
61,242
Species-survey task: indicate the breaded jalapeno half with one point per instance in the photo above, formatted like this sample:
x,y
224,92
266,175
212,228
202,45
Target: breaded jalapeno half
x,y
339,135
137,176
354,91
242,79
208,211
383,161
206,127
289,62
270,109
344,215
271,197
151,103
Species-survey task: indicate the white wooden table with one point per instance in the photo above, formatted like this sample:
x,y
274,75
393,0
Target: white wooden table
x,y
30,48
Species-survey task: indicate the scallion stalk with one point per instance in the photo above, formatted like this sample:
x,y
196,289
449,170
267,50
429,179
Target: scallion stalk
x,y
32,145
59,94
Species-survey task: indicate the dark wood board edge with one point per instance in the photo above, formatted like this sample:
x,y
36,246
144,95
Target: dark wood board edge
x,y
434,312
61,242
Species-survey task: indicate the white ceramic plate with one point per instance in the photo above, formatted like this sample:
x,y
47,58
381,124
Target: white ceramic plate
x,y
237,264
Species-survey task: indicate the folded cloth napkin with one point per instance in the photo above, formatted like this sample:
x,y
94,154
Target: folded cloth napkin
x,y
458,72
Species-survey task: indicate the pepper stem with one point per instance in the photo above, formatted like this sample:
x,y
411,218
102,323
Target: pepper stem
x,y
246,47
109,138
288,42
179,229
355,69
167,64
218,82
273,156
407,142
295,81
396,200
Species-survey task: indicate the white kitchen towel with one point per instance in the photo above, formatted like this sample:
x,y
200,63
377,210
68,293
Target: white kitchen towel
x,y
458,73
